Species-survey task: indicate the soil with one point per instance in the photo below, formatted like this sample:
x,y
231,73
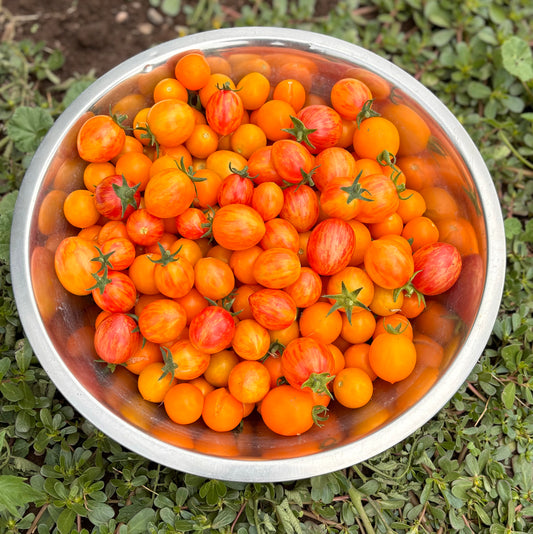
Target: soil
x,y
99,34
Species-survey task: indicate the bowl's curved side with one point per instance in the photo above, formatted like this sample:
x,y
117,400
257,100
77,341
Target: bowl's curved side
x,y
82,383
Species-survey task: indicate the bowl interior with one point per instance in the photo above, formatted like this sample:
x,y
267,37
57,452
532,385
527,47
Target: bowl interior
x,y
450,338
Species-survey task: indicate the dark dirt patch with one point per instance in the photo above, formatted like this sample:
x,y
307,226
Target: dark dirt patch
x,y
99,34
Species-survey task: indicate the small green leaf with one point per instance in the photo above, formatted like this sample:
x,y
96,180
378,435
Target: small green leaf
x,y
75,90
478,90
436,15
517,58
508,395
28,126
139,522
14,492
513,227
171,7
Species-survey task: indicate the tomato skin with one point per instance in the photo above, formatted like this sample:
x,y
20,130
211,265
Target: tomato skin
x,y
108,202
162,320
116,338
382,198
307,289
261,167
191,361
100,139
327,124
171,121
330,246
222,412
144,228
300,207
439,265
287,411
290,159
119,294
273,309
392,357
388,264
74,266
235,189
331,163
237,227
212,329
276,268
348,97
169,193
303,357
224,111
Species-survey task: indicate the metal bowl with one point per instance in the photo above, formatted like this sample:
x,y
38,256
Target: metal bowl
x,y
59,325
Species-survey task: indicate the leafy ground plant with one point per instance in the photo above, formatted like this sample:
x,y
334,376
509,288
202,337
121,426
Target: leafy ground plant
x,y
468,470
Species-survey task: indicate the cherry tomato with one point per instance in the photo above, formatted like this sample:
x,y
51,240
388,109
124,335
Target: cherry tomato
x,y
116,338
318,127
273,309
100,139
276,268
116,198
212,329
330,246
438,267
224,110
287,410
237,227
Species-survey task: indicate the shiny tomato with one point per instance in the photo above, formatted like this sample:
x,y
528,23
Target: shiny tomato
x,y
212,329
114,291
392,357
224,110
332,163
388,264
280,233
318,127
309,363
237,227
222,412
170,121
330,246
287,410
192,223
173,275
214,278
273,308
190,361
300,207
276,268
169,193
100,139
116,198
162,320
144,228
352,387
292,161
184,403
261,167
267,200
236,188
380,198
307,289
249,381
348,96
438,267
74,265
251,341
121,251
116,338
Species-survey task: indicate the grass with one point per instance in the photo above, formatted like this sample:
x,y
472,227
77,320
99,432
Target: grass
x,y
468,470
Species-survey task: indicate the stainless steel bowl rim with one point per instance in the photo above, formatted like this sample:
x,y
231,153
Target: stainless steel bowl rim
x,y
258,470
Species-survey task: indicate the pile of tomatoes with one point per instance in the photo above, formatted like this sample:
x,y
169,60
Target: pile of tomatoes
x,y
253,246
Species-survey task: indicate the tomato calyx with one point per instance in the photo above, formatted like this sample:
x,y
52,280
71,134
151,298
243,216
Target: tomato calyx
x,y
191,174
166,256
225,303
126,194
319,414
226,86
396,330
389,159
148,134
409,290
208,225
103,259
356,192
300,132
101,281
243,173
347,300
169,365
366,112
307,179
318,383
